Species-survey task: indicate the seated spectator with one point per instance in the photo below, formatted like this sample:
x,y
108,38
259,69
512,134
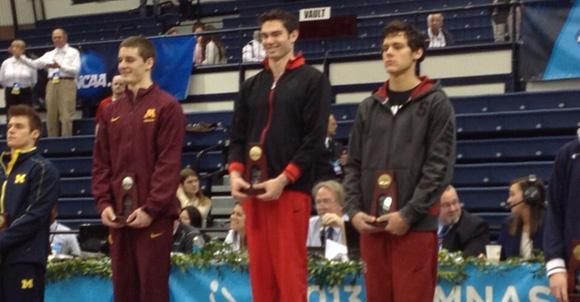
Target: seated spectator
x,y
460,230
237,234
197,54
62,244
190,215
523,230
330,164
172,32
189,192
438,37
329,223
17,78
183,236
118,87
254,50
213,50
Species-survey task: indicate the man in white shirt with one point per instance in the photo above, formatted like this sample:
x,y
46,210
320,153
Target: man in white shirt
x,y
329,223
438,37
60,242
17,78
63,64
254,50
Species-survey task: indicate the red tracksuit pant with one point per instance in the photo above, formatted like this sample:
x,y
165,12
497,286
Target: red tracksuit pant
x,y
400,268
276,232
141,262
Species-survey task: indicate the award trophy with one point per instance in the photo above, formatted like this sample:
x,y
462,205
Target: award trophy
x,y
384,195
256,169
128,199
574,273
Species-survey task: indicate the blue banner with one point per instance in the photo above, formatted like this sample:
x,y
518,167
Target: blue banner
x,y
519,284
550,32
174,63
565,60
221,284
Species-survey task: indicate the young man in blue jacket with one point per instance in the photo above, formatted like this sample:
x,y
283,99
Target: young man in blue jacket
x,y
406,126
30,189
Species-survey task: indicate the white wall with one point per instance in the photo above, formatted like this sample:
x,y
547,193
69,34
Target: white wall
x,y
372,71
553,85
5,13
64,8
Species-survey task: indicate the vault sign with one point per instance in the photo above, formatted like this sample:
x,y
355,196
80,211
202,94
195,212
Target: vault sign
x,y
314,14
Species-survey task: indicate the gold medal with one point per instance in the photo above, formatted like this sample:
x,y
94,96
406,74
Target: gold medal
x,y
384,181
576,252
255,153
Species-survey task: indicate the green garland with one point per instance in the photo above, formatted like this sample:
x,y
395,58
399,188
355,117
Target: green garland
x,y
452,266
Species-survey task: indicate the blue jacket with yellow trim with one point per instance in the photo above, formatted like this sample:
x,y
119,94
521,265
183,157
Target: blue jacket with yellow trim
x,y
30,188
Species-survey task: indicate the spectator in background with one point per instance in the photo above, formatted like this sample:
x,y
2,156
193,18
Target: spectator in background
x,y
237,234
213,50
183,236
459,230
198,52
172,32
329,200
190,215
502,20
143,8
17,78
562,217
523,230
254,50
190,193
438,37
63,63
118,87
330,164
62,244
499,18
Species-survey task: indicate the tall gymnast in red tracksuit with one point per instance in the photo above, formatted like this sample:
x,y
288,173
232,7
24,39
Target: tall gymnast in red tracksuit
x,y
141,134
285,109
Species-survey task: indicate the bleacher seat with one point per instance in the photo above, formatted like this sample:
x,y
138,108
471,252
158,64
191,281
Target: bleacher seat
x,y
222,205
498,174
510,148
532,120
483,199
76,208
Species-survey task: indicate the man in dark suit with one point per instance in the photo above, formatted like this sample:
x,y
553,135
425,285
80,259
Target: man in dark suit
x,y
329,165
459,230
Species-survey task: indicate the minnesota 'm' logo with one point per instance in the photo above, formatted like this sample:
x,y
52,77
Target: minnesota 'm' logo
x,y
20,178
27,283
149,115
